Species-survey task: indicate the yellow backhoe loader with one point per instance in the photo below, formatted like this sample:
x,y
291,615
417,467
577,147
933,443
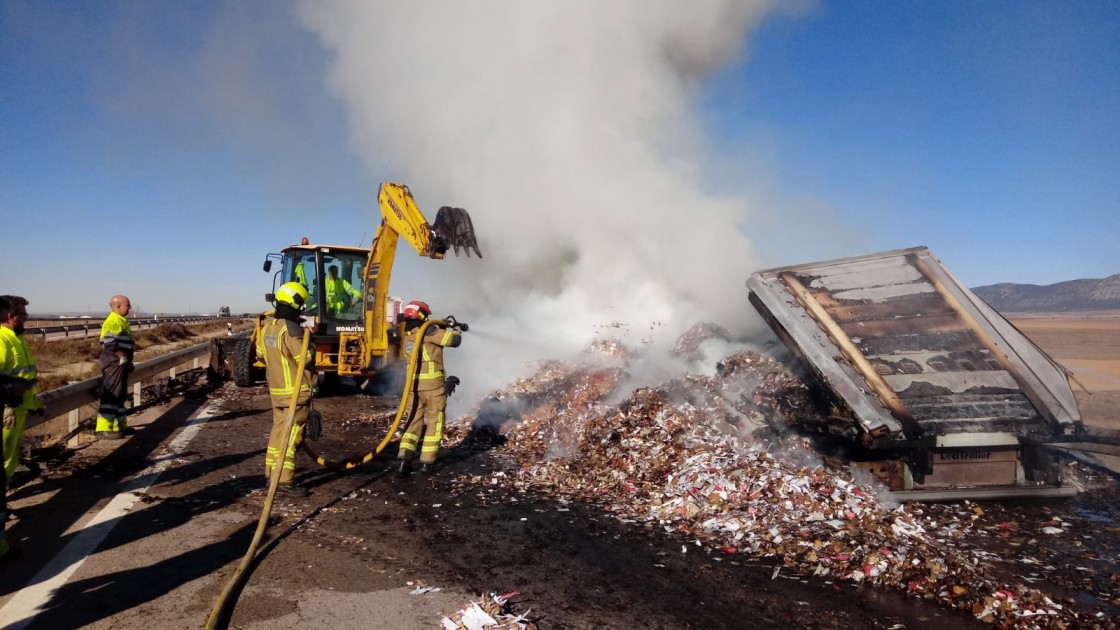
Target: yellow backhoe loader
x,y
357,334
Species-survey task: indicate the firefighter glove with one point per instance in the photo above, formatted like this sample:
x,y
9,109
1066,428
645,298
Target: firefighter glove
x,y
449,385
314,428
123,360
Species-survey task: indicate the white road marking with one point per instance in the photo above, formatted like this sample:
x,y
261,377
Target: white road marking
x,y
27,602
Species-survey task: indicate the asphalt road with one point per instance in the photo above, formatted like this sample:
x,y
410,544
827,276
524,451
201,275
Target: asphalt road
x,y
144,533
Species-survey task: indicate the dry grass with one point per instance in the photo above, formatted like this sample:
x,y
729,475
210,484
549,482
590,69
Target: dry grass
x,y
1090,348
67,360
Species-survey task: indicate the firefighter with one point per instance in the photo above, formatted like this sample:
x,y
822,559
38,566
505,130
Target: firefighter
x,y
428,400
117,350
280,341
16,361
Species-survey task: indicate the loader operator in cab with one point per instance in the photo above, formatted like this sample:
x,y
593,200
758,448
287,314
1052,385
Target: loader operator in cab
x,y
427,402
280,342
341,295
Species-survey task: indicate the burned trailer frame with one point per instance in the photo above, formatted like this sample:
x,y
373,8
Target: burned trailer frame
x,y
930,388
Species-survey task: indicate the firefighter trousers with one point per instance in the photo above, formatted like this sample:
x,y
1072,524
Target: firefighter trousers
x,y
425,425
279,442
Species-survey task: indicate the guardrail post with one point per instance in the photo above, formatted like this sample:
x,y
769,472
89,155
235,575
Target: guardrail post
x,y
172,372
136,389
74,420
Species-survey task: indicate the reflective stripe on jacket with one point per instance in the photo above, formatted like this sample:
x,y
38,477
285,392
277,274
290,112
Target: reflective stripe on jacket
x,y
279,343
16,360
430,373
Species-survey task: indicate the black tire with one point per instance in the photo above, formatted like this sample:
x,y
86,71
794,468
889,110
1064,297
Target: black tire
x,y
388,381
330,383
243,358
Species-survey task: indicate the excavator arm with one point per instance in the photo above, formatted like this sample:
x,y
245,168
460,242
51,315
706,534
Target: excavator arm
x,y
401,218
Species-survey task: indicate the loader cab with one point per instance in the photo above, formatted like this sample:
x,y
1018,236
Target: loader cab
x,y
333,277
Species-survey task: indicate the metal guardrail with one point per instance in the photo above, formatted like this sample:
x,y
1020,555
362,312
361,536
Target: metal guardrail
x,y
85,326
68,399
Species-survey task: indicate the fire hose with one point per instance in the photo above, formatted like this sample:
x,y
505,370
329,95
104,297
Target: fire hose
x,y
349,463
223,610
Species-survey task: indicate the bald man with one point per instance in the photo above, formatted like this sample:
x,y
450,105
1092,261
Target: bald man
x,y
117,349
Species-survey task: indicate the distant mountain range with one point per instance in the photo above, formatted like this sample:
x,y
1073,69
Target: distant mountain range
x,y
1072,295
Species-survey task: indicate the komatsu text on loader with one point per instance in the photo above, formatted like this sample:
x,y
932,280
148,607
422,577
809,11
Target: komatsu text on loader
x,y
349,287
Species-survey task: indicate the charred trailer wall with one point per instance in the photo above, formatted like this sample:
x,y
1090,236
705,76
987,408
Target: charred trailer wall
x,y
922,370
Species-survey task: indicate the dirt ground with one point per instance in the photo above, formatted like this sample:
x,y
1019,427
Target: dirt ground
x,y
350,554
1090,349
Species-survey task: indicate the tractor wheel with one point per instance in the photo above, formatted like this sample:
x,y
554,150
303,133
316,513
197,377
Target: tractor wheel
x,y
388,381
330,384
243,357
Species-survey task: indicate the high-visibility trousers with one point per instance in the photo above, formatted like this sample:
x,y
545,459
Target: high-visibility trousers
x,y
3,512
114,392
279,442
425,425
14,423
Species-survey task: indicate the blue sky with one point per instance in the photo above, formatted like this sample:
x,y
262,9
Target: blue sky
x,y
161,149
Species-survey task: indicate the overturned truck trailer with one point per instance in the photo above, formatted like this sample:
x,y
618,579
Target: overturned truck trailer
x,y
930,389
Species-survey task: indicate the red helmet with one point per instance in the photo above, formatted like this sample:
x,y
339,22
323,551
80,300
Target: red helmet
x,y
416,310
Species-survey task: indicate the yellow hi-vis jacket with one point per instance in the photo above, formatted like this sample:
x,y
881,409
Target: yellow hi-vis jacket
x,y
116,336
430,373
338,290
279,343
16,360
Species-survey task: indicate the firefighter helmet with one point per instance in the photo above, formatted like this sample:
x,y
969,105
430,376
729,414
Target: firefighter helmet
x,y
416,310
293,294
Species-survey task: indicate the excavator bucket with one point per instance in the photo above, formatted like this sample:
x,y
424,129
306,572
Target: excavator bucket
x,y
453,229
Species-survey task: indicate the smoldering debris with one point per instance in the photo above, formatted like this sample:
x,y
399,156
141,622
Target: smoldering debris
x,y
699,458
493,612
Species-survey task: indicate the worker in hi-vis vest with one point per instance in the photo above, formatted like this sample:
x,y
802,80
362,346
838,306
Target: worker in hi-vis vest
x,y
117,350
340,293
17,398
16,361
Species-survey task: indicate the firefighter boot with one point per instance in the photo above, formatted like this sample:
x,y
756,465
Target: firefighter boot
x,y
427,468
405,468
290,489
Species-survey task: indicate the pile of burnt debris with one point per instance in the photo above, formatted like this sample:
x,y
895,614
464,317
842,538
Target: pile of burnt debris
x,y
699,457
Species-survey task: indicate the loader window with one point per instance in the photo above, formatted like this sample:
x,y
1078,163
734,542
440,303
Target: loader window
x,y
300,267
343,285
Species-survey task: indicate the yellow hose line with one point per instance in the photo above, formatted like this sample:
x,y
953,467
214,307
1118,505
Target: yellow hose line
x,y
350,463
223,600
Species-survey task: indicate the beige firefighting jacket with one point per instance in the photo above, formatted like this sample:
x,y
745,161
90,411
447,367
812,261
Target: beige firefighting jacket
x,y
279,343
430,374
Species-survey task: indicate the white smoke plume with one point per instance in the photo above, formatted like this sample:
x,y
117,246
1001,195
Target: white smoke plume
x,y
569,131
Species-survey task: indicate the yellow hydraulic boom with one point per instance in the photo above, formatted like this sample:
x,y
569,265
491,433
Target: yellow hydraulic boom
x,y
401,218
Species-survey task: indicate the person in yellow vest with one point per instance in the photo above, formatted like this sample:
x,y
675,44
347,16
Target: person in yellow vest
x,y
18,374
280,342
117,350
340,293
427,402
12,389
16,360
